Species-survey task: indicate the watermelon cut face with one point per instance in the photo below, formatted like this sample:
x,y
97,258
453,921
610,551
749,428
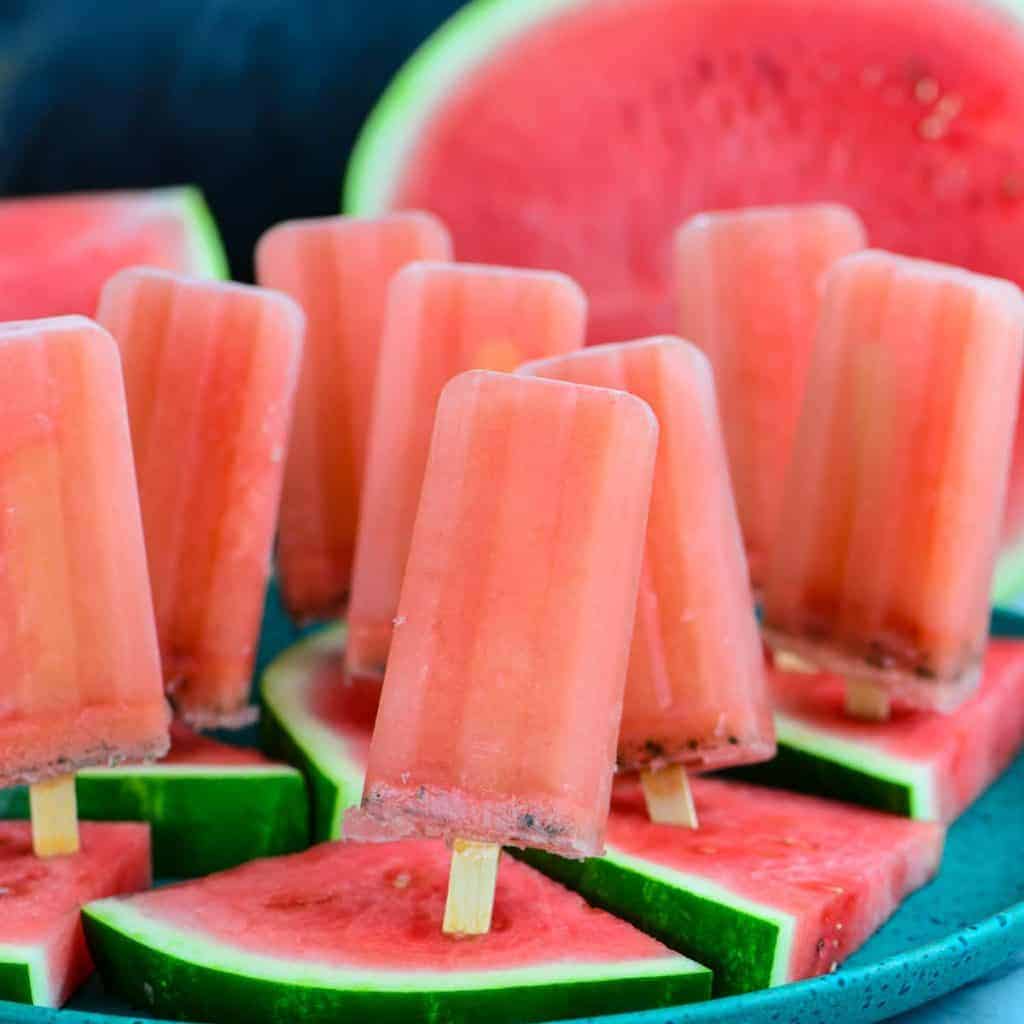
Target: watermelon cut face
x,y
773,887
923,765
348,932
319,720
577,135
59,250
210,805
43,955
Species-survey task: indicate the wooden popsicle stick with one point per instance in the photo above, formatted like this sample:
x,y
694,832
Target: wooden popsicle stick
x,y
668,796
793,663
474,873
54,817
867,700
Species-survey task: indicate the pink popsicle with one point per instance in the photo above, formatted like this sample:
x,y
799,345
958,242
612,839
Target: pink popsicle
x,y
696,692
210,370
749,286
501,704
338,269
79,668
893,505
441,320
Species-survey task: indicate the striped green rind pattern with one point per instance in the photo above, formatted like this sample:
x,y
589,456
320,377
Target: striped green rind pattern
x,y
17,984
177,974
747,947
203,819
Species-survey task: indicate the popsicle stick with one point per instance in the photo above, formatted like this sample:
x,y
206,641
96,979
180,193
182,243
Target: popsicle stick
x,y
668,796
867,701
54,816
794,664
471,884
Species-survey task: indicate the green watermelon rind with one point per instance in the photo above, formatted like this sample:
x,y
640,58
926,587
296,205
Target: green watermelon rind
x,y
202,818
748,945
24,976
292,733
1009,579
391,132
170,970
812,760
206,255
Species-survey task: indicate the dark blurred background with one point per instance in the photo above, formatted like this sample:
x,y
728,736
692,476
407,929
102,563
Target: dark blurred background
x,y
256,101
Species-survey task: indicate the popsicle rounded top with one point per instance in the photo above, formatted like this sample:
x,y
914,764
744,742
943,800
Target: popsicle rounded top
x,y
895,498
748,286
210,372
442,319
696,692
501,703
338,269
80,679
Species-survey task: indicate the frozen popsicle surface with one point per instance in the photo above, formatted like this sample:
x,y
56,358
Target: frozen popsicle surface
x,y
338,269
441,320
501,703
749,285
80,676
210,371
883,565
696,691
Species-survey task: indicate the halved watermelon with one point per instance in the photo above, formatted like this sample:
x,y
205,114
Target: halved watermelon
x,y
56,252
43,956
321,722
211,806
923,765
773,887
578,134
349,932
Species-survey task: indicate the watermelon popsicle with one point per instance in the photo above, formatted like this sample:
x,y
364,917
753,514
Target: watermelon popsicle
x,y
338,269
441,320
696,696
749,286
210,371
501,703
895,496
79,668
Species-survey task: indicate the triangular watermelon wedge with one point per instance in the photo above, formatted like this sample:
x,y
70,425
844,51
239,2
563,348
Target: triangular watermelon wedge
x,y
924,765
350,932
211,805
43,957
56,252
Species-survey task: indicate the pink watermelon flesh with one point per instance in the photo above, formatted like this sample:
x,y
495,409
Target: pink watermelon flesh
x,y
840,871
41,898
584,142
382,907
966,750
188,747
347,706
58,251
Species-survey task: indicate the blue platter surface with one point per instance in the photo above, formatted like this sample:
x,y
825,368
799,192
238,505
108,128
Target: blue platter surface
x,y
966,923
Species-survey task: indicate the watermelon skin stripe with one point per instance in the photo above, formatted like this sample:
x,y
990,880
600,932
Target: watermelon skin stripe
x,y
170,971
811,761
746,945
24,976
291,733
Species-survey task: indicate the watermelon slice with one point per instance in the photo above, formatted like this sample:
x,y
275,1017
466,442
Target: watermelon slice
x,y
922,765
210,805
703,892
59,250
773,887
350,932
578,134
43,956
321,722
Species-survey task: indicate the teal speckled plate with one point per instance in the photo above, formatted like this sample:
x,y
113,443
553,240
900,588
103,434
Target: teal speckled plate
x,y
968,922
